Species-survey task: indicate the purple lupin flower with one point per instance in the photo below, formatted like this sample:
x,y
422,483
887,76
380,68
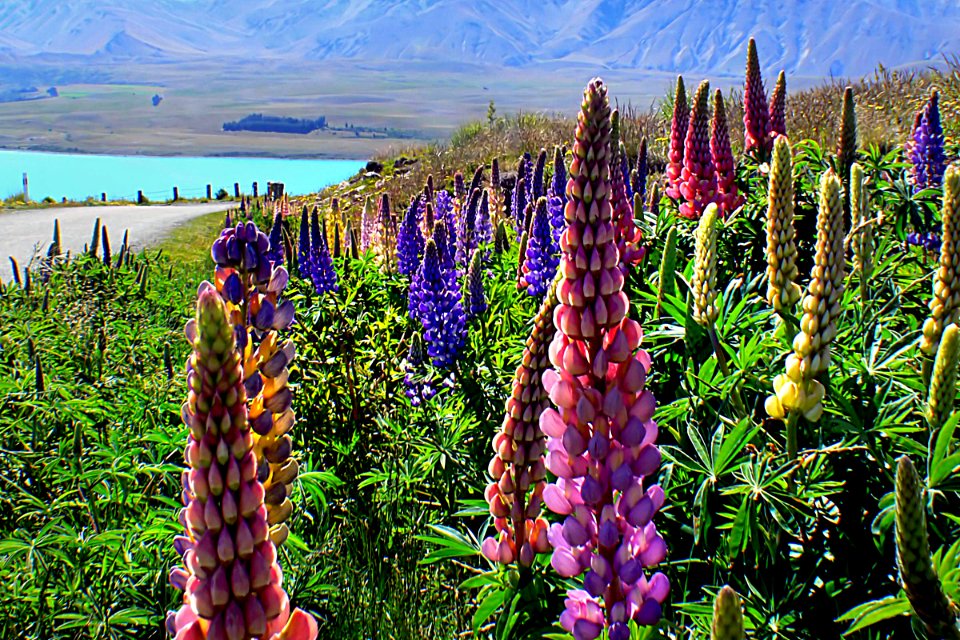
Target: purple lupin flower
x,y
542,256
439,310
418,386
275,253
926,152
519,205
476,182
322,272
467,236
601,435
537,190
756,109
444,210
410,240
638,177
527,174
459,187
303,248
484,224
475,299
557,196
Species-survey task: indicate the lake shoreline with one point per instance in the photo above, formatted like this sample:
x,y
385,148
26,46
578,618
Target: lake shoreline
x,y
159,153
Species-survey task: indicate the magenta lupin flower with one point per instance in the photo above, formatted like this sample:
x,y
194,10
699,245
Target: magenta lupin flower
x,y
626,233
698,180
601,433
231,581
778,108
756,114
729,197
517,469
678,135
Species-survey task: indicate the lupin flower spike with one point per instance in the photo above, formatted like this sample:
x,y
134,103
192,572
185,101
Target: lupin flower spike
x,y
475,299
556,194
439,309
847,140
782,288
926,152
520,205
517,470
729,198
667,280
798,391
756,114
638,177
321,270
542,255
601,434
417,389
231,581
727,616
778,107
861,227
303,248
494,194
410,240
500,240
943,382
536,188
698,179
466,239
385,241
275,254
944,308
368,224
678,137
484,234
704,283
917,574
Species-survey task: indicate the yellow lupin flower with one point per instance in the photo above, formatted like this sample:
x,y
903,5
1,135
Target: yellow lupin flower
x,y
861,231
945,306
704,284
943,383
782,288
797,390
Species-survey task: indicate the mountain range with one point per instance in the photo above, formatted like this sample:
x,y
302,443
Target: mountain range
x,y
814,38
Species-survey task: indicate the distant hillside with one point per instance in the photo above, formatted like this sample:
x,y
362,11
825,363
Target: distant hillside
x,y
805,37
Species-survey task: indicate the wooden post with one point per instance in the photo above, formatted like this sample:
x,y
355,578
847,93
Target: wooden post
x,y
256,190
139,197
103,197
236,189
26,188
209,192
176,194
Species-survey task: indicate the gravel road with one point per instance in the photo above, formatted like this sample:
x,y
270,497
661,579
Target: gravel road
x,y
24,232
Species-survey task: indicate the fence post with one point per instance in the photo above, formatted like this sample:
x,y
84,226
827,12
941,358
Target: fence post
x,y
26,188
236,189
103,197
140,197
209,192
256,189
176,194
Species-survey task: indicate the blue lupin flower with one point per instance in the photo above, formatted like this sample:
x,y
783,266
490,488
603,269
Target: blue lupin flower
x,y
542,256
418,387
410,240
440,310
926,153
625,171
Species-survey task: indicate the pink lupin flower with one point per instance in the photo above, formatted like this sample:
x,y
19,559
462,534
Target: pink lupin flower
x,y
600,433
729,198
231,581
778,108
516,494
678,134
698,180
627,234
756,116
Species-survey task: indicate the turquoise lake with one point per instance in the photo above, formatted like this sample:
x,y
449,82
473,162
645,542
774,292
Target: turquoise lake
x,y
77,177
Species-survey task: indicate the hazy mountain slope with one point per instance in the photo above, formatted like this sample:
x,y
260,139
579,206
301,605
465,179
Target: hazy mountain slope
x,y
810,37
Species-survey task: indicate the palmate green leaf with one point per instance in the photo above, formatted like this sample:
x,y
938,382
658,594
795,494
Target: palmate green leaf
x,y
875,611
942,464
450,544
